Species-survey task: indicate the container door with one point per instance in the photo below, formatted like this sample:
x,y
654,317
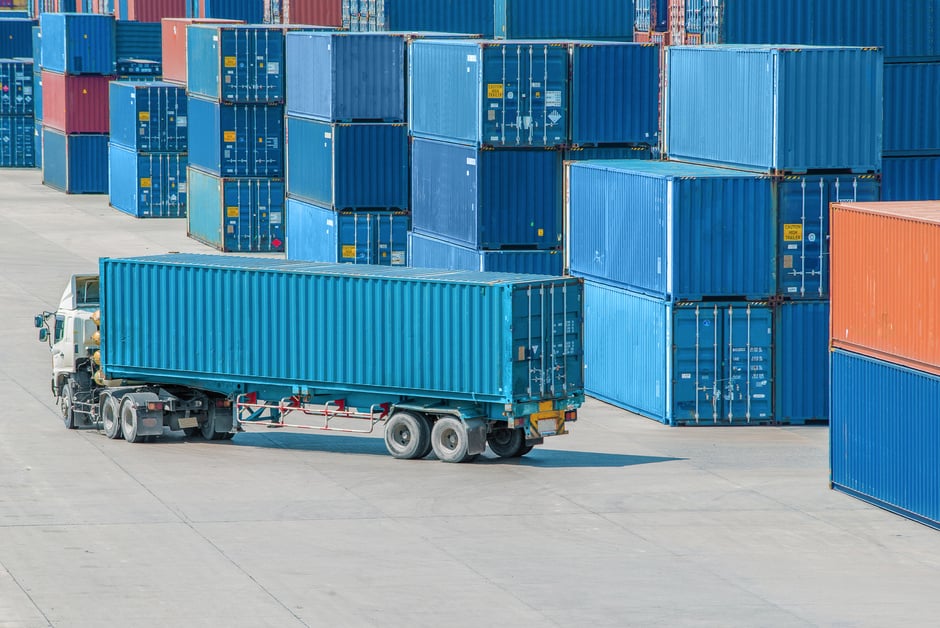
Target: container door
x,y
503,71
545,114
355,238
694,18
803,211
391,239
696,363
748,363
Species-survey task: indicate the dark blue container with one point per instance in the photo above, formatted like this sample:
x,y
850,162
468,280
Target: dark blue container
x,y
802,208
37,49
346,77
244,214
16,87
911,178
564,19
75,164
503,94
884,436
37,144
17,147
236,140
16,38
147,185
801,351
348,166
251,11
584,153
322,235
78,43
236,63
912,117
138,40
138,69
149,117
487,199
466,16
430,252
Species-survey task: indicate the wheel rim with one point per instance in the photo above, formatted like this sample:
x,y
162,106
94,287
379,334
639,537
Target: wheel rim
x,y
402,436
66,405
107,416
449,439
127,421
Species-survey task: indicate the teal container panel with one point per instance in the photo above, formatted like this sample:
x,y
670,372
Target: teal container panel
x,y
236,63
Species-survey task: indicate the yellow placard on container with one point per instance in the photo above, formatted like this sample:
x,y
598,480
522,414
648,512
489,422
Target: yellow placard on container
x,y
349,250
793,232
494,90
228,136
145,182
144,116
230,62
232,212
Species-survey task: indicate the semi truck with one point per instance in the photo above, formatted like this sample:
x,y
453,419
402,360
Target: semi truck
x,y
446,361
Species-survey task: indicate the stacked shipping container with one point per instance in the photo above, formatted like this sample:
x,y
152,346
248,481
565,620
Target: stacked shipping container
x,y
17,107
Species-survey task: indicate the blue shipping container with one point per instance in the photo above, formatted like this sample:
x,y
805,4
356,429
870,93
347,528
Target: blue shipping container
x,y
912,114
343,77
584,153
614,93
16,38
138,40
487,199
503,94
37,96
235,63
37,144
150,117
17,148
244,214
884,436
75,164
147,185
801,373
251,11
467,16
317,234
773,110
802,210
138,69
37,49
78,43
911,179
564,19
679,363
672,230
236,140
348,166
16,87
429,252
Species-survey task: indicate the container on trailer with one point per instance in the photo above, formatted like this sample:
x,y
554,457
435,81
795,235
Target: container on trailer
x,y
235,214
772,109
75,164
883,442
502,94
16,87
314,12
149,10
348,166
346,77
150,116
911,179
174,49
912,123
236,140
251,11
17,148
147,185
672,230
704,363
75,103
430,252
564,19
235,63
16,38
78,43
468,16
487,199
801,369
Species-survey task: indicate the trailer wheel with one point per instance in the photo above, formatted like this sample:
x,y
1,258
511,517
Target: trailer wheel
x,y
208,428
506,442
67,405
110,417
408,436
129,422
450,440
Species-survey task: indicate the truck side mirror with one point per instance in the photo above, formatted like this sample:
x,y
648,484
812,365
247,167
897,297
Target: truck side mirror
x,y
39,321
43,334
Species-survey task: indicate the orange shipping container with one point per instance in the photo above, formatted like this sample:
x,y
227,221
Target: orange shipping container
x,y
174,45
886,281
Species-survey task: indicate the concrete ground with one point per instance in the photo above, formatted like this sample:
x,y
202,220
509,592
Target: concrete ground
x,y
624,522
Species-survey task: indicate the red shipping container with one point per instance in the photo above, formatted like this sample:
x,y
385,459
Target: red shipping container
x,y
886,281
151,10
174,45
313,12
75,104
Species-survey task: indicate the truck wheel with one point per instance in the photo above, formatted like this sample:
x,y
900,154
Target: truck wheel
x,y
67,405
110,417
507,442
450,441
129,420
408,436
208,428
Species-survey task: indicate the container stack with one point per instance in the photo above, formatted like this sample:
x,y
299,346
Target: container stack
x,y
651,22
884,432
37,96
78,63
17,121
250,11
347,147
151,11
138,50
310,12
235,87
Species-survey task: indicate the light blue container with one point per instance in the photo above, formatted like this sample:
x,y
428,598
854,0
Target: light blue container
x,y
430,252
147,185
502,94
243,214
346,77
801,351
17,147
884,436
467,16
138,40
912,115
348,166
236,140
150,117
672,230
564,19
78,43
705,363
16,38
775,109
75,164
16,87
911,179
235,63
321,235
487,199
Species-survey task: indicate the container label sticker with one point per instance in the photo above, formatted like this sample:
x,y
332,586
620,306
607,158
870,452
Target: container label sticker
x,y
541,232
182,121
553,98
329,222
792,232
232,212
328,135
398,258
182,188
144,116
686,376
274,67
788,261
230,62
491,115
275,218
145,182
471,161
349,250
536,84
471,58
494,90
228,136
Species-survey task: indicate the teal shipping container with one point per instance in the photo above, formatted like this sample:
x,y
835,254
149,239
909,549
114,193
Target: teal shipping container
x,y
147,185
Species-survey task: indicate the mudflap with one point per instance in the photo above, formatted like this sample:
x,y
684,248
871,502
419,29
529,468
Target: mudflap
x,y
476,436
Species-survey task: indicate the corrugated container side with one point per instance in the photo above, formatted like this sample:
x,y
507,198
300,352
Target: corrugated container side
x,y
236,140
244,214
912,113
585,153
801,350
251,11
173,32
468,16
489,199
672,230
37,48
883,443
237,64
751,21
75,103
150,10
16,87
452,334
17,147
911,179
147,185
37,95
885,263
16,38
564,19
313,12
429,252
149,117
37,144
642,16
75,164
348,166
78,43
138,40
906,29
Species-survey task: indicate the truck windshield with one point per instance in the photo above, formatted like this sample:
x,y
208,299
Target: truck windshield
x,y
86,292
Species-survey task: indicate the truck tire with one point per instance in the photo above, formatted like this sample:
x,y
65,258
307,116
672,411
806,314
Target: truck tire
x,y
67,405
129,422
111,416
408,436
450,441
208,427
506,442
